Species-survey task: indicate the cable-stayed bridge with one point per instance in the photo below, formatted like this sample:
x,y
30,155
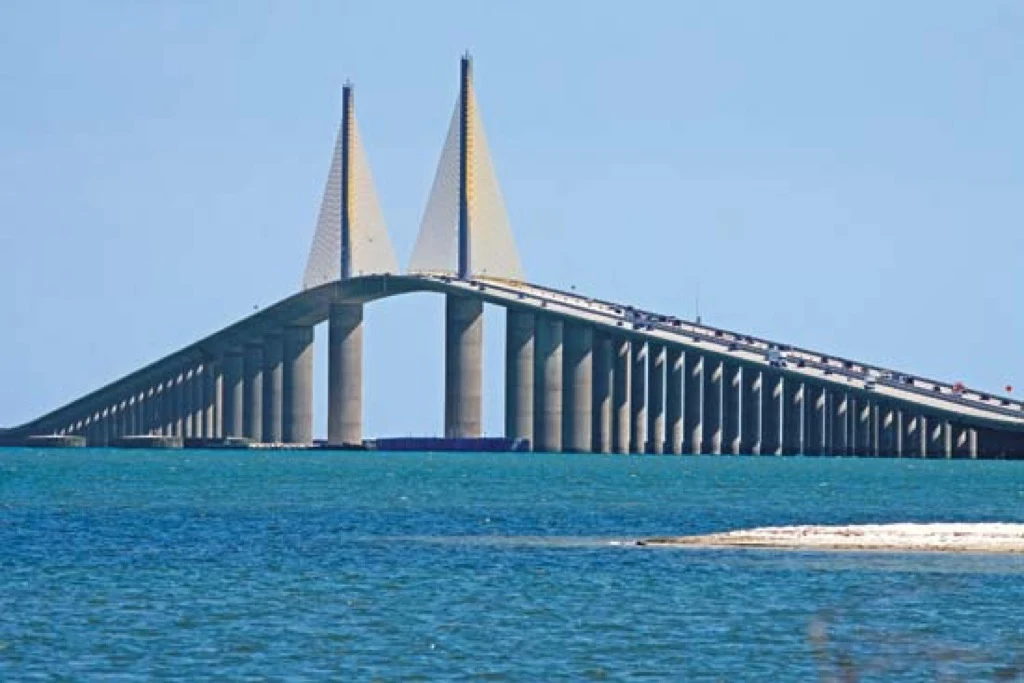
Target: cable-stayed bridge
x,y
581,374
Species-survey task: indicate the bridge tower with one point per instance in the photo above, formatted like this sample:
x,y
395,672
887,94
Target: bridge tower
x,y
351,240
465,233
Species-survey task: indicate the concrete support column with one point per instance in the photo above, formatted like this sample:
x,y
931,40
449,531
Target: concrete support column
x,y
519,362
887,431
252,392
213,392
578,388
547,397
638,442
655,399
162,408
935,434
345,375
103,427
899,441
674,401
912,440
273,388
233,393
148,417
967,442
186,403
167,408
170,408
622,428
772,410
297,385
817,401
793,416
750,412
873,428
463,367
178,411
840,423
116,422
199,402
947,439
134,415
693,404
732,389
604,379
863,427
712,417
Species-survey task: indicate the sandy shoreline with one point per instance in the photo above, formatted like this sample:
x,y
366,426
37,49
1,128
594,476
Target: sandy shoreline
x,y
944,537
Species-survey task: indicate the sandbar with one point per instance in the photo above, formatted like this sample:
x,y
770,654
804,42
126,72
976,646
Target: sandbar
x,y
987,537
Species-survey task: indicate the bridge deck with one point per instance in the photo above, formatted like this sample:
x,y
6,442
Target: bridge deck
x,y
312,306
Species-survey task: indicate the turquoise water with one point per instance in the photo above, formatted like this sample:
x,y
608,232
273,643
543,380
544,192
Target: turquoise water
x,y
344,566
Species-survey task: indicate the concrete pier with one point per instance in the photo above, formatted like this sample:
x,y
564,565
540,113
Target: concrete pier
x,y
771,414
148,417
178,407
750,412
519,362
839,423
198,402
913,438
345,375
732,386
792,416
273,388
252,390
638,399
621,392
297,389
656,398
693,403
215,407
816,398
463,367
604,380
712,417
186,422
887,431
578,389
966,442
862,422
547,397
233,393
674,401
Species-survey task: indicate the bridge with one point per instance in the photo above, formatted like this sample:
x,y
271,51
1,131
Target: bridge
x,y
581,374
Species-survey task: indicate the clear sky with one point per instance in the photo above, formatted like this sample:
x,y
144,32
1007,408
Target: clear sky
x,y
845,176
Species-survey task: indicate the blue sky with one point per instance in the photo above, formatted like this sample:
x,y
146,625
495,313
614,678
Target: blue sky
x,y
845,176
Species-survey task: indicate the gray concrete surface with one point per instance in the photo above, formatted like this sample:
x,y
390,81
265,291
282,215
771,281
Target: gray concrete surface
x,y
638,397
622,387
547,413
604,380
463,367
297,385
345,375
578,389
273,387
520,343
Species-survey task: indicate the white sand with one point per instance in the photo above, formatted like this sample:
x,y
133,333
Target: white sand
x,y
982,537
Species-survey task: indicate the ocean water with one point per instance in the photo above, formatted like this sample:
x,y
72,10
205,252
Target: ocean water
x,y
234,565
